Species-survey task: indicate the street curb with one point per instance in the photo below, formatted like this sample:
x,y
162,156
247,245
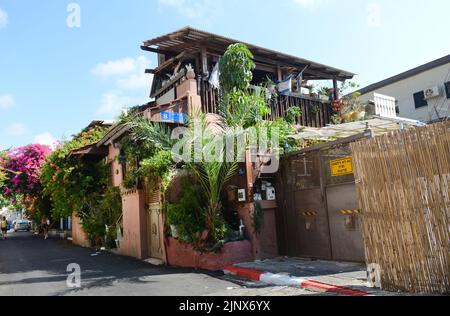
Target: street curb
x,y
286,280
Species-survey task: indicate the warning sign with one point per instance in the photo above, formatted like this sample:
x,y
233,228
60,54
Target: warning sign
x,y
341,167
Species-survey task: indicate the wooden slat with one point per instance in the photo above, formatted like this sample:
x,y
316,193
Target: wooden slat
x,y
403,181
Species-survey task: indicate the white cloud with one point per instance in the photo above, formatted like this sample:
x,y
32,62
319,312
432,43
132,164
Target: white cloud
x,y
192,8
128,72
114,103
46,139
6,101
16,129
3,19
130,84
308,3
138,79
115,67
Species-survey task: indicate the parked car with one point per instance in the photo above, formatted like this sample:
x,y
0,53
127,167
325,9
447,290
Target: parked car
x,y
22,226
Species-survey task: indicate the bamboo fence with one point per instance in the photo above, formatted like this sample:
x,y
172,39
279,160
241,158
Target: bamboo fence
x,y
403,182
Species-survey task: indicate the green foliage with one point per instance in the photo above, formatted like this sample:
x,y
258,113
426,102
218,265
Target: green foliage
x,y
293,114
100,214
243,108
158,166
187,214
236,68
325,91
66,180
258,217
284,130
146,152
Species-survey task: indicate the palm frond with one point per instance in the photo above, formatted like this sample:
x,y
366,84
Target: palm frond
x,y
144,130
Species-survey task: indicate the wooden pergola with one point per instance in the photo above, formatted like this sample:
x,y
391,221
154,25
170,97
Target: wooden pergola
x,y
203,47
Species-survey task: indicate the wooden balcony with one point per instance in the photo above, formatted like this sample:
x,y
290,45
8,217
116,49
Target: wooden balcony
x,y
315,112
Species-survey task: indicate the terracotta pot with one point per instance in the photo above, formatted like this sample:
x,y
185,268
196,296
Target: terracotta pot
x,y
190,75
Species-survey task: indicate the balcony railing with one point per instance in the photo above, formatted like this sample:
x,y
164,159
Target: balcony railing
x,y
314,112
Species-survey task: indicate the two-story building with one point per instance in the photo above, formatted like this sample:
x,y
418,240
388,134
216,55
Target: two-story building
x,y
422,93
183,83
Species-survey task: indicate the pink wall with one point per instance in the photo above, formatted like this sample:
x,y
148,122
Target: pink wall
x,y
180,255
79,237
134,243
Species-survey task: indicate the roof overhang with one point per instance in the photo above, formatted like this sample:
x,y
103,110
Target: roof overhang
x,y
190,40
91,150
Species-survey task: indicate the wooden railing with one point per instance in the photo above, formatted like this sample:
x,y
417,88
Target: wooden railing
x,y
314,112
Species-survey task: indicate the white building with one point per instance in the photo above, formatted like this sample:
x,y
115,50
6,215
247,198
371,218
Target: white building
x,y
422,93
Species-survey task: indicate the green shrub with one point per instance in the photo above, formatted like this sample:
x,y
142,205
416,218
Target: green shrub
x,y
187,214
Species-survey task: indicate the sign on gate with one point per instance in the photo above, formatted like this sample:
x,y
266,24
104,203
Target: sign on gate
x,y
341,167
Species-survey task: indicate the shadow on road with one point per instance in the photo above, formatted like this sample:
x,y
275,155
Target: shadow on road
x,y
28,259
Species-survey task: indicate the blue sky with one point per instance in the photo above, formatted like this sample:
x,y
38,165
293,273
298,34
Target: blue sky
x,y
55,79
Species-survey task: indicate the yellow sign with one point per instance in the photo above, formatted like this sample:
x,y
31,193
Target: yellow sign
x,y
341,167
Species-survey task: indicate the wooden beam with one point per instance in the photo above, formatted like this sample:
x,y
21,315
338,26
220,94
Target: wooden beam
x,y
204,54
157,50
279,73
168,37
335,89
169,62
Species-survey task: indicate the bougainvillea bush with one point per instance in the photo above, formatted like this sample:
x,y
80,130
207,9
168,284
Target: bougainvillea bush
x,y
22,168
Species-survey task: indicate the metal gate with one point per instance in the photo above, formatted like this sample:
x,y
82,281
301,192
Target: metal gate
x,y
320,217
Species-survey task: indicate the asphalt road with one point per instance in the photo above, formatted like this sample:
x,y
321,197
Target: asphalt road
x,y
30,266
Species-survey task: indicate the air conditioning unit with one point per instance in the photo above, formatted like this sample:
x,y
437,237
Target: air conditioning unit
x,y
432,92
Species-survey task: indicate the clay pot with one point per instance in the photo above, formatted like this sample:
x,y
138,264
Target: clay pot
x,y
190,74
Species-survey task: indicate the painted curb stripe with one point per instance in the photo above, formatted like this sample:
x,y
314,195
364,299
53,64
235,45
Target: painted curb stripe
x,y
251,274
286,280
323,287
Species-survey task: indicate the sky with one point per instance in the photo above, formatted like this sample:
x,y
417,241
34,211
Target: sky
x,y
66,63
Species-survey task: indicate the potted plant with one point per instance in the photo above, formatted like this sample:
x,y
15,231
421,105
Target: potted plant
x,y
324,93
312,92
190,73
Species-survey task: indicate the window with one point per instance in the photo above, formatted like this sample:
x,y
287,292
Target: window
x,y
447,89
419,100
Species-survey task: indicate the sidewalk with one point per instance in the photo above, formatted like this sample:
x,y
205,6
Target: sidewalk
x,y
316,275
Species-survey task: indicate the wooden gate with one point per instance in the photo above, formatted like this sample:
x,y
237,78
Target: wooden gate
x,y
320,218
155,229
